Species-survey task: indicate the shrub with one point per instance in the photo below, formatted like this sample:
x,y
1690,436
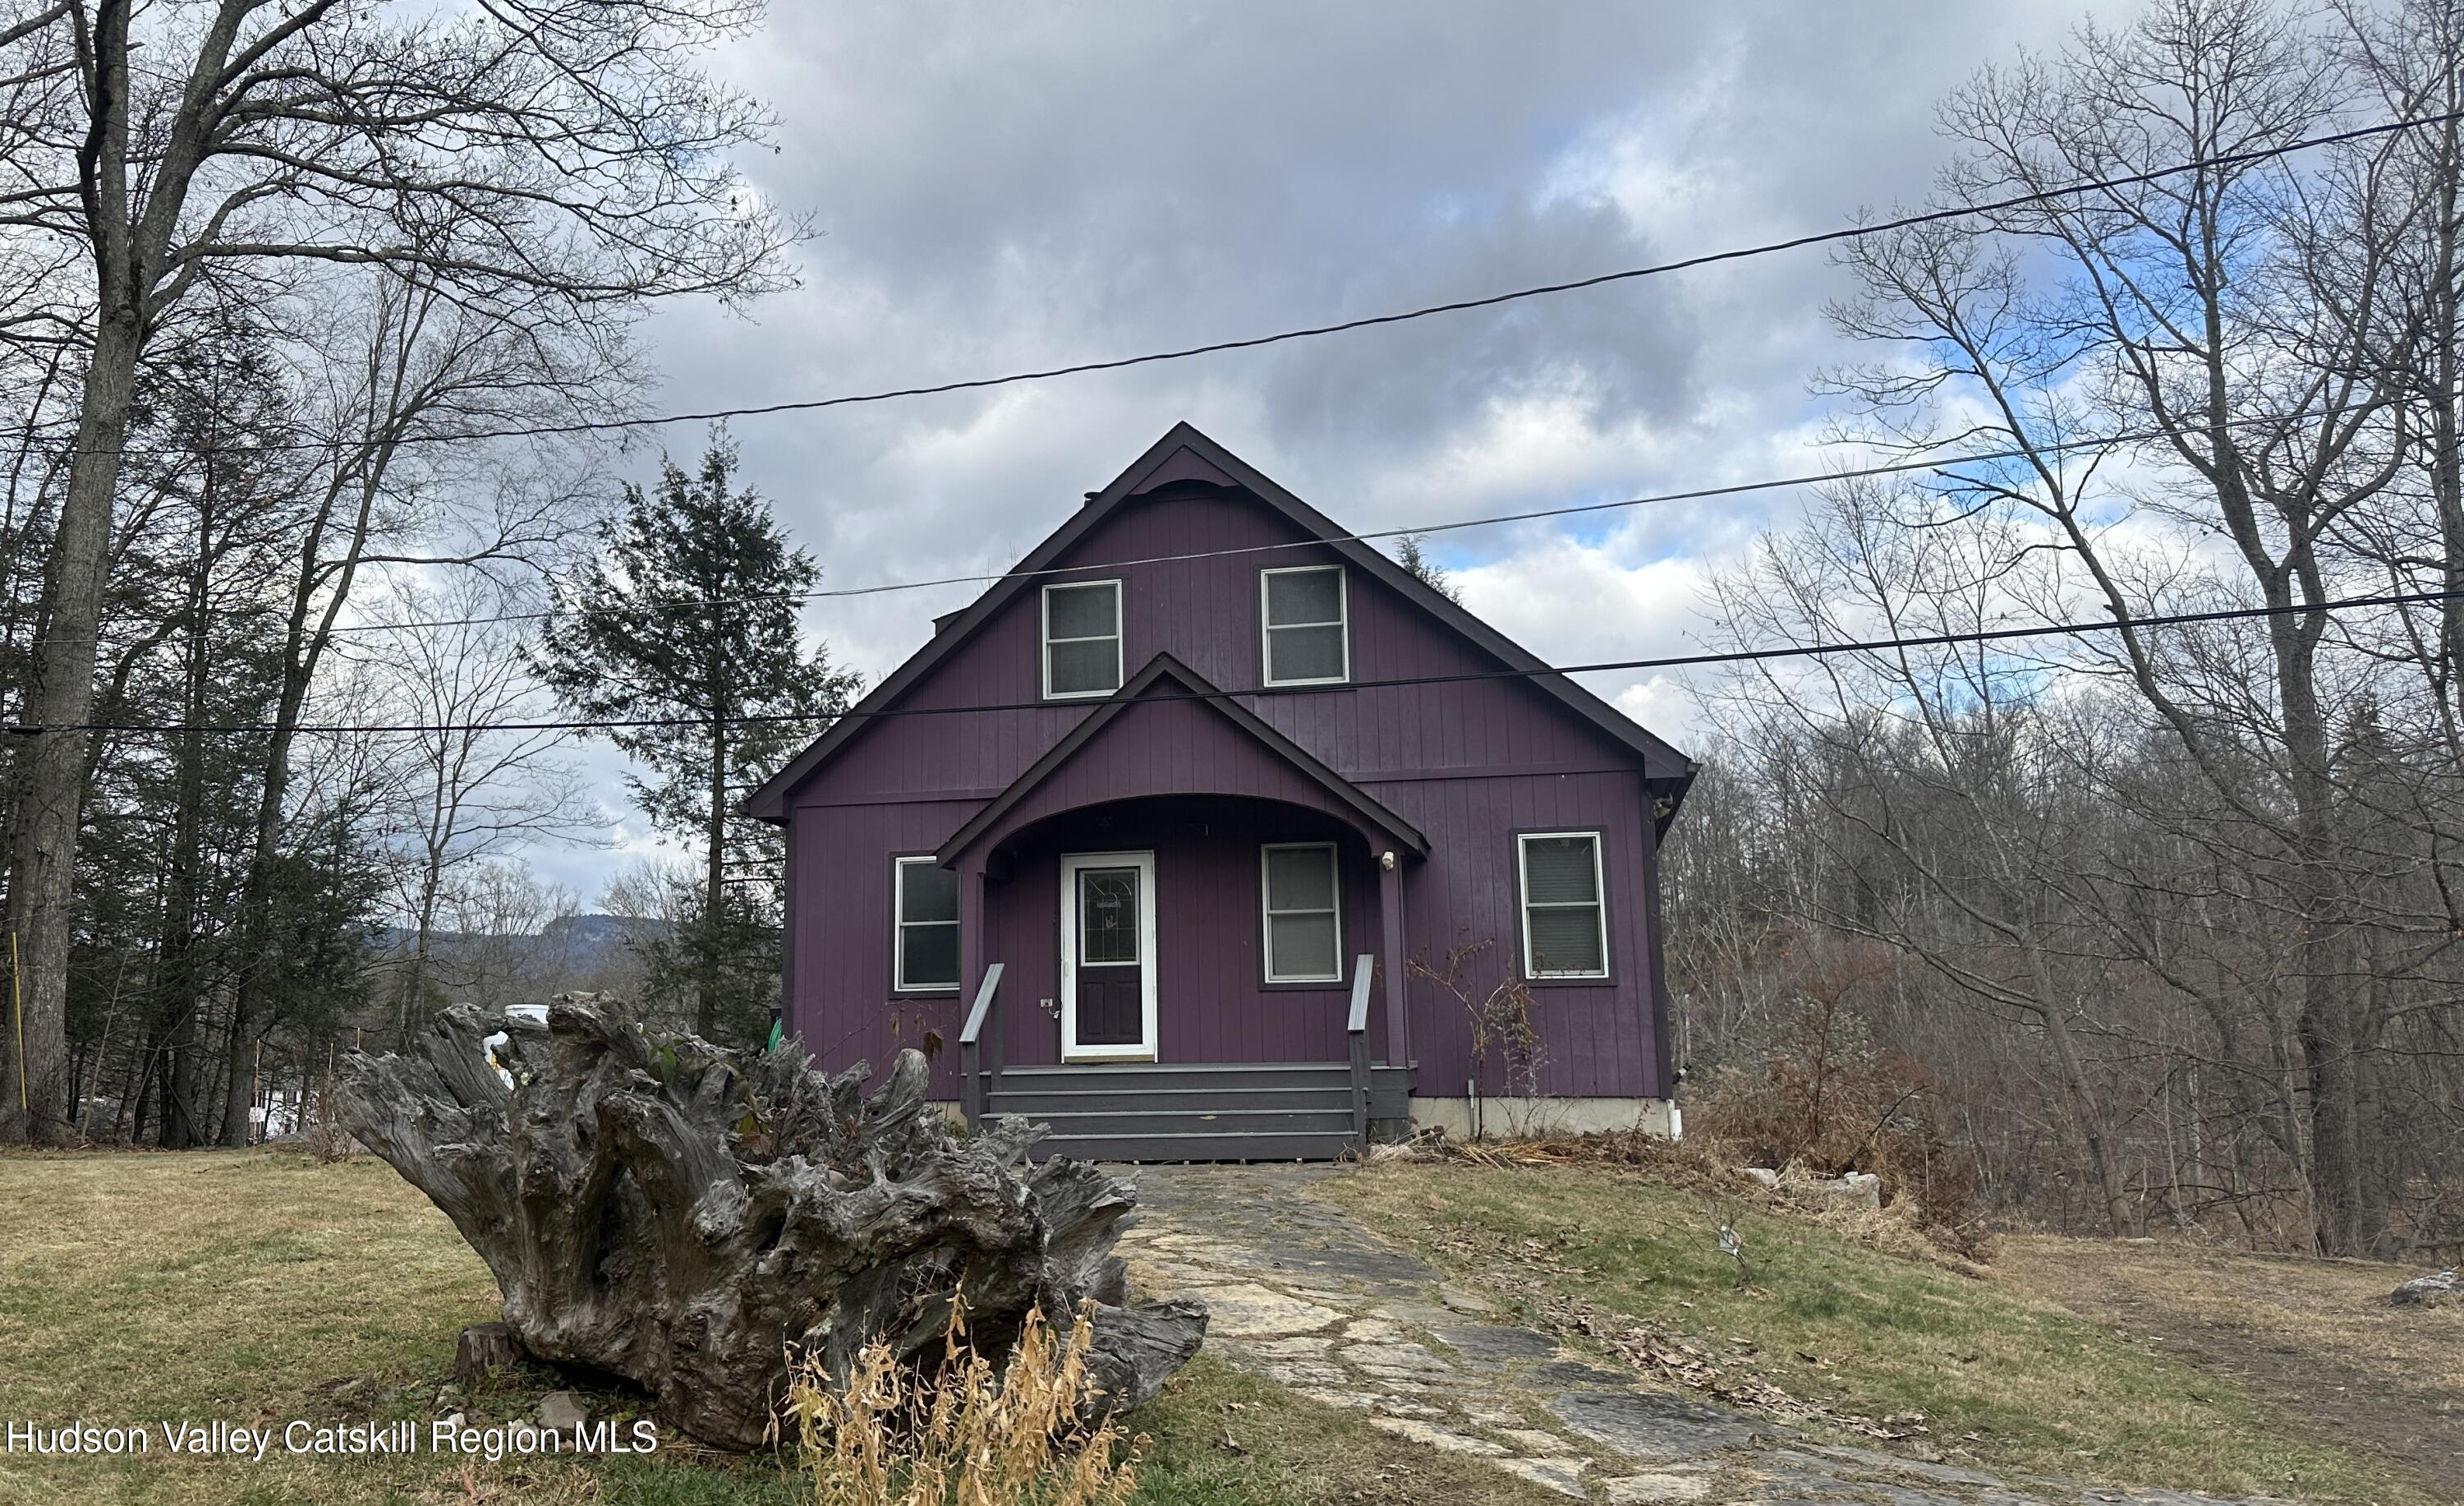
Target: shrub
x,y
1825,1100
961,1434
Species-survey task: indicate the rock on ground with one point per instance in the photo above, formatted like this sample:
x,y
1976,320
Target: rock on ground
x,y
2445,1286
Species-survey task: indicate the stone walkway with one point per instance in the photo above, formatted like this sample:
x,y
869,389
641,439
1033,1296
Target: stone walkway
x,y
1306,1297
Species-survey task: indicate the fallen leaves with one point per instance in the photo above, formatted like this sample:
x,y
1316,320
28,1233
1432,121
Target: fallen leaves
x,y
1674,1360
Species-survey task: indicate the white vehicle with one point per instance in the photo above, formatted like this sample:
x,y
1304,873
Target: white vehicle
x,y
535,1013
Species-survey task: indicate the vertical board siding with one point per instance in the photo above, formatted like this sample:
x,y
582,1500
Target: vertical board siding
x,y
840,937
1469,762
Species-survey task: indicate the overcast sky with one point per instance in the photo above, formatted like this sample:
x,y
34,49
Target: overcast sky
x,y
1027,185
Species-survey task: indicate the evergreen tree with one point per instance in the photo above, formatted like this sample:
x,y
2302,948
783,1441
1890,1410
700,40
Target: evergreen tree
x,y
687,614
1411,551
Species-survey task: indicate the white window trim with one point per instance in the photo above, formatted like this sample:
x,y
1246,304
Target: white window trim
x,y
1342,619
1266,912
898,923
1599,901
1145,1048
1044,650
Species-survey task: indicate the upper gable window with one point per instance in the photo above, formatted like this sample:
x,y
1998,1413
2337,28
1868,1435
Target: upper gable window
x,y
1082,639
1309,640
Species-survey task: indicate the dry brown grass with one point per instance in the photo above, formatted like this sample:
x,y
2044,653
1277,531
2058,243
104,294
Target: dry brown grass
x,y
2316,1336
965,1433
1710,1167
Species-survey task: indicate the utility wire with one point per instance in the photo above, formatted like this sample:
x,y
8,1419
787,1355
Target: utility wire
x,y
1827,237
1672,661
1370,536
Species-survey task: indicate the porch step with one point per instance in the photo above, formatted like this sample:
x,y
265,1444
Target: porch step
x,y
1199,1121
1142,1111
1174,1147
1078,1077
1042,1101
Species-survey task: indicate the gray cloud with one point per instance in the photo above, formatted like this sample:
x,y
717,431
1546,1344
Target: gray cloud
x,y
1022,185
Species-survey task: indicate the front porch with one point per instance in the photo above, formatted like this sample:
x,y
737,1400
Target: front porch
x,y
1134,990
1182,938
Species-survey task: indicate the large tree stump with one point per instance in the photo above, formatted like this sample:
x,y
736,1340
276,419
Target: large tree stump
x,y
684,1215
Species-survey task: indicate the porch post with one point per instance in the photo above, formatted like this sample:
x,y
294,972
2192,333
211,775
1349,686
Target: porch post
x,y
976,1069
1390,896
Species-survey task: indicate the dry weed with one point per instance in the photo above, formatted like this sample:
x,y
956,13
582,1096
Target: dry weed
x,y
966,1434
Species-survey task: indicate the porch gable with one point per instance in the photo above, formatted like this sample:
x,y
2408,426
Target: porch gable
x,y
1169,731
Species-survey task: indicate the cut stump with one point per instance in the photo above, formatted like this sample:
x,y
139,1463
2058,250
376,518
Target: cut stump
x,y
484,1352
683,1215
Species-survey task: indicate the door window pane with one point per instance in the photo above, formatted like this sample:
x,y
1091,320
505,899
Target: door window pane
x,y
1108,915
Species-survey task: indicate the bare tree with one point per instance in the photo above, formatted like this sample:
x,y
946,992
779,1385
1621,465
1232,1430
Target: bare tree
x,y
464,792
544,163
1951,835
2230,315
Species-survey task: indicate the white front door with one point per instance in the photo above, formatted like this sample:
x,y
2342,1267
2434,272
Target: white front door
x,y
1107,956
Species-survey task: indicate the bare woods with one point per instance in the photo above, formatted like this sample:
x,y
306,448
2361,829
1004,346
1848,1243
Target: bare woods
x,y
276,282
2166,923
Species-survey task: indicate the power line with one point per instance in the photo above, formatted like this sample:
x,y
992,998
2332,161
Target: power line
x,y
1370,536
1672,661
1374,320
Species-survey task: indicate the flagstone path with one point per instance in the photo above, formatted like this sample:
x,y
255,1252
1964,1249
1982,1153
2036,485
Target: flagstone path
x,y
1308,1299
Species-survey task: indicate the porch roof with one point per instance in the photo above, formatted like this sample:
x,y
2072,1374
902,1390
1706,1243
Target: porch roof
x,y
1169,731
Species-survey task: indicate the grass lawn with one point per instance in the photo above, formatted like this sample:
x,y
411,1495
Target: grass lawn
x,y
138,1288
1827,1319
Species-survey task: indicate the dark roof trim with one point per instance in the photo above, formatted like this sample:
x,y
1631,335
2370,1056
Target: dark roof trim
x,y
1161,667
1659,762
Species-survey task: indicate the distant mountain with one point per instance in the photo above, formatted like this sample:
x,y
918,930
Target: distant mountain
x,y
593,939
580,943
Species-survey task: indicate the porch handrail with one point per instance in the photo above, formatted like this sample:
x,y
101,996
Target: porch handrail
x,y
975,1080
1356,1029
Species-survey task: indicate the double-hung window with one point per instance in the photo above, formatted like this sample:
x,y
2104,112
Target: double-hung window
x,y
1308,637
1082,639
926,900
1565,917
1304,928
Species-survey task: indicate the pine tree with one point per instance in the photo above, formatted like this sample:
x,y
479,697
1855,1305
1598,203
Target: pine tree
x,y
1412,553
687,614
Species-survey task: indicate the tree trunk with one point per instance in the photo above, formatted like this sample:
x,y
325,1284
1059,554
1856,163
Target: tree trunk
x,y
256,903
684,1215
715,887
42,866
2324,1026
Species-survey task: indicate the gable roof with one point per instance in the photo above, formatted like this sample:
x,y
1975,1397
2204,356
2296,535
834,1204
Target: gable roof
x,y
1185,453
1163,671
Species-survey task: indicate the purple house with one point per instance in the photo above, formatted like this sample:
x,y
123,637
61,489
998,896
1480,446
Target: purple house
x,y
1144,841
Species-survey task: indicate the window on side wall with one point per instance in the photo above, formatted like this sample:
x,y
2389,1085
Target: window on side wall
x,y
1565,913
926,944
1082,639
1305,612
1303,923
